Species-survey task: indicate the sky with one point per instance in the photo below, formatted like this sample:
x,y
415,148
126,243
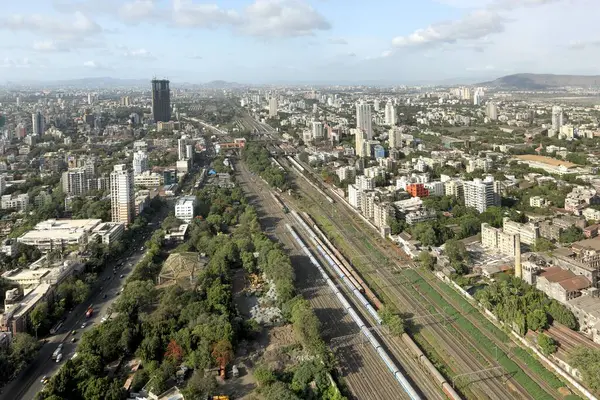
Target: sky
x,y
297,41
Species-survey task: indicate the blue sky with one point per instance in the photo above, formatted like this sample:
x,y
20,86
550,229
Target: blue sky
x,y
312,41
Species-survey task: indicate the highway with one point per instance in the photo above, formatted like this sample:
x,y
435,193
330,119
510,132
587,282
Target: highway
x,y
28,383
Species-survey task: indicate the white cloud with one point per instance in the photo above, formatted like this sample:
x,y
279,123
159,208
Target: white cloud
x,y
265,18
16,63
136,10
91,64
75,25
475,25
188,14
50,46
338,41
583,44
138,53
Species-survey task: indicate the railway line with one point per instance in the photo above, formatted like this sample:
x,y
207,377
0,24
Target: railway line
x,y
461,355
364,373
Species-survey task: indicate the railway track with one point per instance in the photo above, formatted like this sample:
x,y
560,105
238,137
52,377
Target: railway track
x,y
455,345
364,373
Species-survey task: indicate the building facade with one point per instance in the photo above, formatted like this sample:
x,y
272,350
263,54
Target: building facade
x,y
161,100
122,194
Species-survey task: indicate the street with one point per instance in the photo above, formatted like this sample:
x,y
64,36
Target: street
x,y
28,383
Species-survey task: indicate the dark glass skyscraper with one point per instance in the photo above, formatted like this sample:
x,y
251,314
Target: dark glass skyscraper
x,y
161,100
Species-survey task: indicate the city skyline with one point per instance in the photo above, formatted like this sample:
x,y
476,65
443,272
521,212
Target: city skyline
x,y
270,41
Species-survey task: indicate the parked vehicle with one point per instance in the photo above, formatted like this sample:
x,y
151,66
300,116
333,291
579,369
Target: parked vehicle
x,y
59,357
89,312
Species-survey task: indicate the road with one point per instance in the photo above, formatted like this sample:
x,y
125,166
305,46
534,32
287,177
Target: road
x,y
28,383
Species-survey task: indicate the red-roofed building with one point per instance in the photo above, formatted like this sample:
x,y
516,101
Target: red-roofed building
x,y
417,190
562,284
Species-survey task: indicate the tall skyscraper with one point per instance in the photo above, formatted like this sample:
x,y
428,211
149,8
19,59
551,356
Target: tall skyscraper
x,y
181,148
273,107
557,118
122,195
161,100
492,111
140,162
38,123
363,119
481,194
390,113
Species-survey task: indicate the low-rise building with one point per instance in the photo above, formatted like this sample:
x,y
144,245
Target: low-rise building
x,y
496,239
109,232
17,202
148,179
60,233
560,284
185,208
538,202
528,233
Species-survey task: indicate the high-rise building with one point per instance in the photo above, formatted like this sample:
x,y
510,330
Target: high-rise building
x,y
38,123
363,119
181,149
557,118
122,195
140,162
2,184
273,106
318,132
390,113
161,100
395,138
376,105
362,143
481,194
125,101
492,111
74,182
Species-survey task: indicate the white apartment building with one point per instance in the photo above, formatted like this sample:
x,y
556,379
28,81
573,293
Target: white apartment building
x,y
361,143
481,194
18,202
395,138
537,201
364,183
591,214
346,173
492,111
367,204
148,179
122,194
382,213
354,195
374,172
140,162
318,131
390,113
273,107
557,119
528,233
363,119
497,239
185,208
435,188
74,182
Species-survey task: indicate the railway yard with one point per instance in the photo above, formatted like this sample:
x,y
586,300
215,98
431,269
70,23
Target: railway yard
x,y
365,376
475,356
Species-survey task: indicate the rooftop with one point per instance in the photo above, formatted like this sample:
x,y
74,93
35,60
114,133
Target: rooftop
x,y
546,160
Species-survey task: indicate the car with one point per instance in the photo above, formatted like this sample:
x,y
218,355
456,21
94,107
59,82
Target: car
x,y
60,346
121,276
59,358
83,325
105,296
44,379
73,339
73,332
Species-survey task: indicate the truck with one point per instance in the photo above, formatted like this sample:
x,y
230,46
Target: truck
x,y
56,352
89,312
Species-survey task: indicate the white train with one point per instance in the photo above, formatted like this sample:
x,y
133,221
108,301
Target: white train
x,y
406,386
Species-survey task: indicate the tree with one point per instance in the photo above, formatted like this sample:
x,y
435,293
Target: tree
x,y
200,386
571,234
537,320
39,316
546,344
458,255
279,391
426,260
543,245
23,349
263,375
222,352
174,352
137,295
587,361
393,321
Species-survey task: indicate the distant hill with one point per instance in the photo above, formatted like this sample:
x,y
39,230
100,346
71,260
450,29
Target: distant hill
x,y
108,82
543,81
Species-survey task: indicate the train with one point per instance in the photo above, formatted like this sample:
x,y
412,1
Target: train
x,y
274,161
400,378
350,270
280,202
296,164
439,378
348,280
